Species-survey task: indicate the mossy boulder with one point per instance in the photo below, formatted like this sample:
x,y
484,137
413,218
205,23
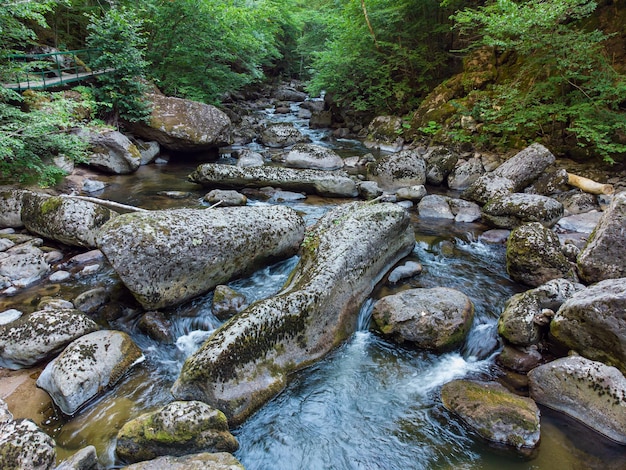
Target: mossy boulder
x,y
170,256
179,428
513,210
588,391
465,173
40,335
534,256
282,134
67,220
493,412
314,157
248,360
593,323
111,152
384,132
398,170
24,446
202,461
437,319
87,367
440,161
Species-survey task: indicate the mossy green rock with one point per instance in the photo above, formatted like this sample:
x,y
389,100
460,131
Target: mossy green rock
x,y
589,391
24,446
203,461
179,428
493,412
247,361
170,256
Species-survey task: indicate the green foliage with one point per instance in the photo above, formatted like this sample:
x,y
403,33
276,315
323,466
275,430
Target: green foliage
x,y
565,87
118,35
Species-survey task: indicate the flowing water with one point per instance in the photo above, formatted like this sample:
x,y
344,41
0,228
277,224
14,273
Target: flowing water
x,y
370,404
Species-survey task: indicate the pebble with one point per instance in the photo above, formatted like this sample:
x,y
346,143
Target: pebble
x,y
59,276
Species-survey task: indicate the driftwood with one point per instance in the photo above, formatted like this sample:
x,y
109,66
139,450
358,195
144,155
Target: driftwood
x,y
113,204
589,186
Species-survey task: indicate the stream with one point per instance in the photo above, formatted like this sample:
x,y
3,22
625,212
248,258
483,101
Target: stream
x,y
370,404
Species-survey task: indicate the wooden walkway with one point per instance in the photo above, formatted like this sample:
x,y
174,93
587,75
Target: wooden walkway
x,y
43,83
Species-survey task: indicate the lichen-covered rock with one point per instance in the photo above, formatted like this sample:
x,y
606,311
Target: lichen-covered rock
x,y
513,210
577,202
593,323
514,174
248,158
464,211
184,125
112,152
435,206
521,322
383,133
85,459
179,428
314,157
40,335
493,412
440,161
226,198
324,183
87,367
71,221
534,256
247,361
170,256
437,319
411,193
23,265
282,134
398,170
23,446
11,208
591,392
227,302
604,256
369,190
203,461
465,173
551,182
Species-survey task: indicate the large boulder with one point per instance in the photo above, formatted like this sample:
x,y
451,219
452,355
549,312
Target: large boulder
x,y
604,257
179,428
184,125
87,367
437,319
435,206
513,210
440,161
523,320
493,412
248,360
593,323
23,445
384,133
170,256
314,157
465,173
282,134
534,256
397,170
591,392
67,220
32,338
112,152
203,461
513,175
324,183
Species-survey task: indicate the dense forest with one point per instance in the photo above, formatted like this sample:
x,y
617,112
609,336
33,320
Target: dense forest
x,y
553,70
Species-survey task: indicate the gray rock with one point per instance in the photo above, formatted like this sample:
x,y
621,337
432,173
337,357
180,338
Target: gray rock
x,y
320,119
604,257
149,150
203,461
411,193
289,94
463,175
86,257
435,206
280,135
440,161
227,302
87,367
577,202
398,170
534,256
488,187
5,244
53,256
248,360
168,257
404,271
324,183
493,412
178,428
551,182
519,322
53,303
91,301
383,133
591,392
23,265
40,335
112,152
92,186
157,326
593,323
369,189
60,276
71,221
248,158
580,223
225,198
314,157
513,210
464,211
495,236
9,316
519,359
11,208
24,446
437,319
85,459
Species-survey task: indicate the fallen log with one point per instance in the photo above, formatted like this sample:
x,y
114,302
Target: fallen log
x,y
588,185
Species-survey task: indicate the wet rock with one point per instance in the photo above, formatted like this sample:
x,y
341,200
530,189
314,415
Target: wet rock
x,y
519,359
85,459
91,301
398,170
175,194
314,157
520,322
11,207
495,236
577,202
53,256
369,189
225,198
513,210
591,392
383,132
168,257
411,193
23,265
149,150
227,302
179,428
512,176
533,256
86,257
87,367
71,221
203,461
404,271
493,412
435,206
466,173
289,94
53,303
40,335
551,182
437,319
157,326
464,211
281,135
278,195
440,161
248,360
184,125
579,223
24,446
593,323
604,256
112,152
248,158
324,183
